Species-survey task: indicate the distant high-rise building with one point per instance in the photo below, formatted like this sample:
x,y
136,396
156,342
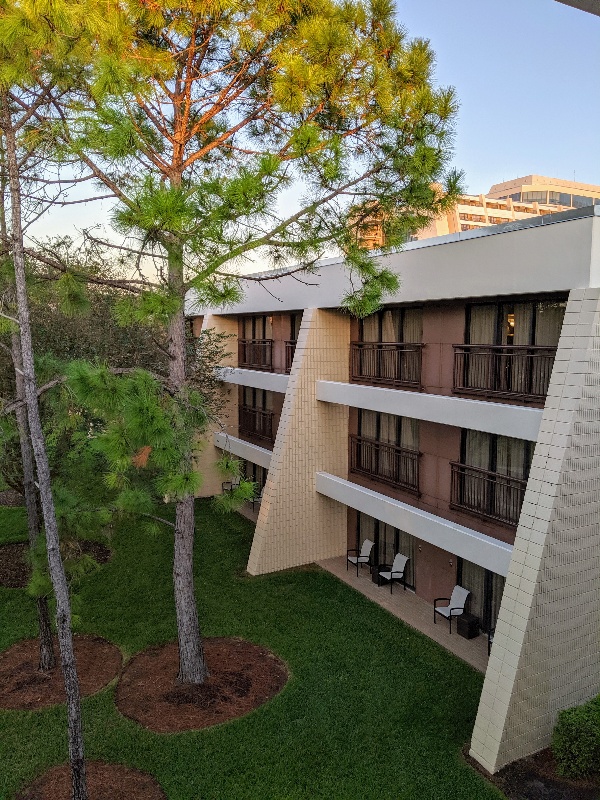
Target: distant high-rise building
x,y
530,196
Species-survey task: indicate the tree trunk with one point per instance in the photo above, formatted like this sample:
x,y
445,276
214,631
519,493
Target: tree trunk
x,y
55,565
47,656
192,666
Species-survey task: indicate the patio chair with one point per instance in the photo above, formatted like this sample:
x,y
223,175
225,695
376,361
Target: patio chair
x,y
397,571
229,486
362,557
455,607
258,500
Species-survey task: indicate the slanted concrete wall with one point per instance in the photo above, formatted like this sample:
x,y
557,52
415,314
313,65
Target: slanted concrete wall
x,y
209,454
295,524
546,652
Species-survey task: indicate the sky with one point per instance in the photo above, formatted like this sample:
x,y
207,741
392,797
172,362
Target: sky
x,y
527,77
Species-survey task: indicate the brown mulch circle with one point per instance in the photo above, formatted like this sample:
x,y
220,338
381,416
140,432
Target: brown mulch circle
x,y
10,498
243,676
535,778
15,571
24,687
104,782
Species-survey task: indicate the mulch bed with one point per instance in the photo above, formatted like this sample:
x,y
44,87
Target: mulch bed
x,y
104,782
10,498
535,778
24,687
243,676
15,571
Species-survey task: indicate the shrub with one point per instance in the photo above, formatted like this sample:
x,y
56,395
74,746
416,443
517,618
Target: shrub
x,y
576,740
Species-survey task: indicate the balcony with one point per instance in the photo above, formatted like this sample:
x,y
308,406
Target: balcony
x,y
395,364
256,354
511,371
487,494
290,349
256,422
386,463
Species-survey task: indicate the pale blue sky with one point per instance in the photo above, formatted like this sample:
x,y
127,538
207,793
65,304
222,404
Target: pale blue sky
x,y
527,75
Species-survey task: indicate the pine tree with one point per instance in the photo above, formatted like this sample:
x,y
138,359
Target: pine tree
x,y
207,121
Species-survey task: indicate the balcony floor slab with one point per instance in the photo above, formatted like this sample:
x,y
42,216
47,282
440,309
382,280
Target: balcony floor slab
x,y
412,610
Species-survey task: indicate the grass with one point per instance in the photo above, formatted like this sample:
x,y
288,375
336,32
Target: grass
x,y
372,710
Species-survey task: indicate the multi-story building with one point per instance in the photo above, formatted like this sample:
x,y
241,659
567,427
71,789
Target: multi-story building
x,y
517,199
591,6
460,426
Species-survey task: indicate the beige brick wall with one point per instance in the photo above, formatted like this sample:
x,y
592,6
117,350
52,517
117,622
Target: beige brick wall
x,y
209,454
295,524
546,652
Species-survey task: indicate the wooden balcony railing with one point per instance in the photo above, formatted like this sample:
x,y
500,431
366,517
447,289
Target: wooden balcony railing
x,y
386,463
487,494
256,354
517,371
290,349
256,422
396,364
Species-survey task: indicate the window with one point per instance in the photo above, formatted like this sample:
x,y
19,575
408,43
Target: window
x,y
260,327
533,323
534,197
486,592
295,322
389,428
516,196
465,227
256,474
581,201
472,217
386,449
559,199
498,220
500,454
388,541
392,325
257,398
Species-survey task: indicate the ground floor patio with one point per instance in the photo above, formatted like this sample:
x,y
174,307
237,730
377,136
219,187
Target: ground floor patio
x,y
412,610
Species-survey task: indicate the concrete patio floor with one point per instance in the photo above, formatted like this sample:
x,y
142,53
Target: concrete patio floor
x,y
413,611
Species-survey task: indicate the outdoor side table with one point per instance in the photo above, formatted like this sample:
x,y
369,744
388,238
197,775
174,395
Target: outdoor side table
x,y
467,626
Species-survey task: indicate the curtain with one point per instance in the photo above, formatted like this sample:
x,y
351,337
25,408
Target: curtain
x,y
367,425
473,578
409,433
523,317
548,323
477,449
247,327
366,452
370,328
482,324
366,528
510,456
413,325
497,588
267,400
390,331
406,546
267,328
482,330
387,543
388,430
295,322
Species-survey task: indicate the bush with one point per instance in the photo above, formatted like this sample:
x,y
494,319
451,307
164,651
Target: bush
x,y
576,740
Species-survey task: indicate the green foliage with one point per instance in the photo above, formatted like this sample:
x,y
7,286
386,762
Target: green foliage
x,y
576,740
72,294
322,738
233,499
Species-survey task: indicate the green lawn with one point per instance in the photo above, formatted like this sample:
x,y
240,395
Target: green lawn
x,y
372,709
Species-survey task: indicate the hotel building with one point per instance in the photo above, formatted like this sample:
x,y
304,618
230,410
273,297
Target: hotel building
x,y
459,425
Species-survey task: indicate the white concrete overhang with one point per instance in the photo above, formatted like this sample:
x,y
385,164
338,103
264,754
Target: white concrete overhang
x,y
271,381
471,545
479,415
246,450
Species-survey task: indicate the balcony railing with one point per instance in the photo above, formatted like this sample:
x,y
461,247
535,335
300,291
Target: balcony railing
x,y
386,463
290,349
517,371
256,354
487,494
256,422
396,364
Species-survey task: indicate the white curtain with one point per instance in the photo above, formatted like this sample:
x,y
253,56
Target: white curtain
x,y
473,579
406,546
368,424
523,318
390,326
548,323
370,328
477,449
409,438
388,431
366,526
413,325
482,325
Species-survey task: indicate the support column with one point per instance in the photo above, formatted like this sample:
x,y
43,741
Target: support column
x,y
209,454
546,651
295,524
